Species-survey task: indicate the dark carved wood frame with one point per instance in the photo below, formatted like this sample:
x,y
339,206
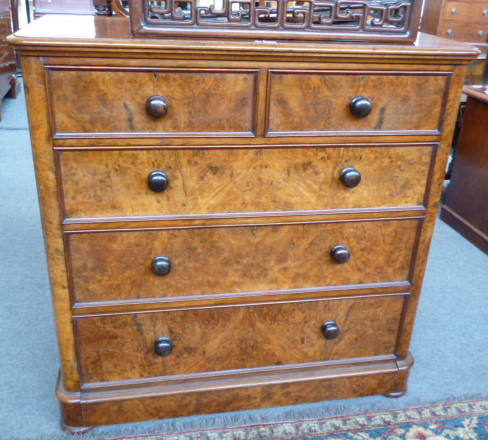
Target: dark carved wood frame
x,y
142,27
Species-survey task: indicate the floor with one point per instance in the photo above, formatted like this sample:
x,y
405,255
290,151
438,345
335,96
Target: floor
x,y
450,342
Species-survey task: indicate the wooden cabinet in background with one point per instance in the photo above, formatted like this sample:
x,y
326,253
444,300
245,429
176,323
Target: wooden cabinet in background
x,y
466,21
466,203
9,84
233,224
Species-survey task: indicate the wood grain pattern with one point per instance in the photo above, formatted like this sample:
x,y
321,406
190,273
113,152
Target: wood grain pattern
x,y
224,262
209,300
233,219
37,107
234,338
117,265
114,183
319,102
435,188
114,101
146,404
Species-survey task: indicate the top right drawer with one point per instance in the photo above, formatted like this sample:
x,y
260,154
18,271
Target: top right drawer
x,y
467,11
318,103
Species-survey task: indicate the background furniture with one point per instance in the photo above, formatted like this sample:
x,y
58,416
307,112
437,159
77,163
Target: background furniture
x,y
9,85
460,20
466,203
240,225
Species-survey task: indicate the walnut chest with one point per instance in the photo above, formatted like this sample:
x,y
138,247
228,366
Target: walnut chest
x,y
233,225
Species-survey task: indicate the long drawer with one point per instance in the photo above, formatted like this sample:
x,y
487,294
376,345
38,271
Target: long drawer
x,y
217,260
198,102
170,343
468,32
232,180
328,102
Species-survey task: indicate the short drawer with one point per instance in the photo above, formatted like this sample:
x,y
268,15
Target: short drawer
x,y
110,102
180,262
317,103
467,32
234,338
235,180
466,11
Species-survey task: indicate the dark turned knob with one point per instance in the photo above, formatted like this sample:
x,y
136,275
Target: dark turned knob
x,y
360,106
158,181
163,346
350,177
157,106
161,266
330,330
340,254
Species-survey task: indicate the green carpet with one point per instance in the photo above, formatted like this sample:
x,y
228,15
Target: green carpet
x,y
450,421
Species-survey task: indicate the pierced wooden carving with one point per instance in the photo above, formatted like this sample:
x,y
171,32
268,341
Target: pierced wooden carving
x,y
390,16
307,18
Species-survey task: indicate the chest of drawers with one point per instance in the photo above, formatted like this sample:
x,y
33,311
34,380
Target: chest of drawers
x,y
233,225
464,20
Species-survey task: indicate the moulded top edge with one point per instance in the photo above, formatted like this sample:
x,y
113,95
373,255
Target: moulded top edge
x,y
112,34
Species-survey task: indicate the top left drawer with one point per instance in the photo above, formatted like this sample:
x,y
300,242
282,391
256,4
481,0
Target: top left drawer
x,y
159,102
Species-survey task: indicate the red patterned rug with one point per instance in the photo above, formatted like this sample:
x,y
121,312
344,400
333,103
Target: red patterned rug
x,y
450,421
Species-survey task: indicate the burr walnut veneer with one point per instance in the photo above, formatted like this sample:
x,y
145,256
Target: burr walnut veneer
x,y
233,224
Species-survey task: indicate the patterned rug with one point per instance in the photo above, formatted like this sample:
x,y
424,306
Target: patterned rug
x,y
452,421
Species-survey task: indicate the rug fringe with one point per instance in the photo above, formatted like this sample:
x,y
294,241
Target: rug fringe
x,y
310,411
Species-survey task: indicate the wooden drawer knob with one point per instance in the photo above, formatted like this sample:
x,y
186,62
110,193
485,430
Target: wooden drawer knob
x,y
453,11
163,346
330,330
340,254
158,181
350,177
161,266
360,106
157,106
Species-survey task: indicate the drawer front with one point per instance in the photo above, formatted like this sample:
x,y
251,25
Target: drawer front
x,y
118,183
198,102
215,260
466,11
467,32
234,338
314,103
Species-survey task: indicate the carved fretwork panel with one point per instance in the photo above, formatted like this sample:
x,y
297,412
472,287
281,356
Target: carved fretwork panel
x,y
281,18
391,16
